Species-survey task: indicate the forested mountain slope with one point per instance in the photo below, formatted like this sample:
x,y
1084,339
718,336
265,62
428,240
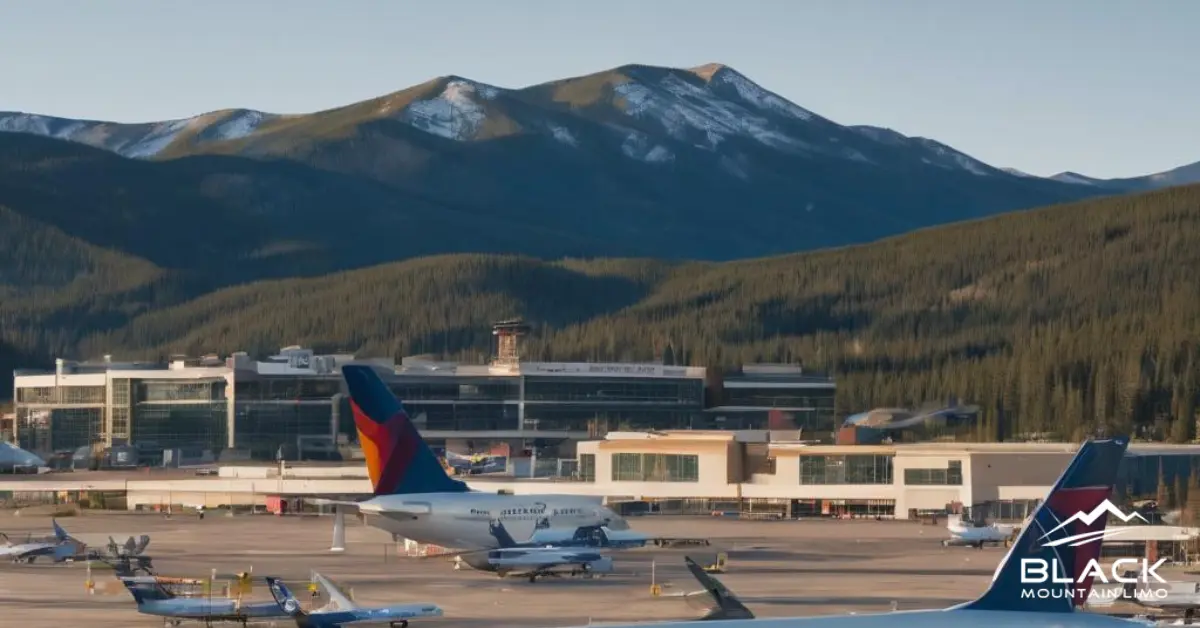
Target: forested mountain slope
x,y
1061,320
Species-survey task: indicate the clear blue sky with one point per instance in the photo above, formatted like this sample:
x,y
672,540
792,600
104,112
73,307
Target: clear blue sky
x,y
1104,87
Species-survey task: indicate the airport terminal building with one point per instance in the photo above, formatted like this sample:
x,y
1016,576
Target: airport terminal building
x,y
294,405
747,472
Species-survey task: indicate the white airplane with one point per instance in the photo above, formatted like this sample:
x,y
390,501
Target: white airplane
x,y
1063,539
1172,597
963,533
341,611
416,499
548,552
61,544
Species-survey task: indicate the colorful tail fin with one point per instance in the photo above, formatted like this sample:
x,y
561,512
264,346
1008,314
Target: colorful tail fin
x,y
1061,538
398,459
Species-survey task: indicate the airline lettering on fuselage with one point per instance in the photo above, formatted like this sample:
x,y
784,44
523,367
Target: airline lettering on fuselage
x,y
535,510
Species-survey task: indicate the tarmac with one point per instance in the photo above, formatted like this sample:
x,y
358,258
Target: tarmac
x,y
777,568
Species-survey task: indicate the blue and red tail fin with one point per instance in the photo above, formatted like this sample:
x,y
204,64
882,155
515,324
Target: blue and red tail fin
x,y
1062,537
398,459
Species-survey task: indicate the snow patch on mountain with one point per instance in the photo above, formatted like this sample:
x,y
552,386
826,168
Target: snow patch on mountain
x,y
152,143
637,145
750,92
1075,177
855,155
881,135
953,158
564,135
454,114
688,112
240,124
1019,173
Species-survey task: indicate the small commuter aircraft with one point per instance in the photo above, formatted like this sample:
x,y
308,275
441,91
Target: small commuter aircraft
x,y
341,611
32,549
964,533
576,555
153,597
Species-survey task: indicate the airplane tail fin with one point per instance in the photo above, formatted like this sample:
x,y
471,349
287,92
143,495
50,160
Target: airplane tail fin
x,y
285,599
398,460
59,532
1061,538
146,589
500,533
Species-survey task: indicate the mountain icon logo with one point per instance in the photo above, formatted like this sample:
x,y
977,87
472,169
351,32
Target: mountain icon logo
x,y
1088,518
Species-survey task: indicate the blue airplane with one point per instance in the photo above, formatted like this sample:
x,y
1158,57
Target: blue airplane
x,y
155,599
58,546
341,611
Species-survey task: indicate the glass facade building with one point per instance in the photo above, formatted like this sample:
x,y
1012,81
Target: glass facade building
x,y
846,469
270,408
638,467
772,397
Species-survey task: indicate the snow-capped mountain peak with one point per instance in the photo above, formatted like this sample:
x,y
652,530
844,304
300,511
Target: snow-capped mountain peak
x,y
724,79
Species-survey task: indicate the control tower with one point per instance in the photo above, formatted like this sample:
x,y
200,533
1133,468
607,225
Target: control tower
x,y
508,334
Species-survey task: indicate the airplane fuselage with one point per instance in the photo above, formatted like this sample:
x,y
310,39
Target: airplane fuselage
x,y
461,520
27,551
210,609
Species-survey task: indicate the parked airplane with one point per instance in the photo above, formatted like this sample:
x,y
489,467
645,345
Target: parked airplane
x,y
596,536
1174,597
534,560
343,612
1062,539
60,543
416,499
963,533
154,598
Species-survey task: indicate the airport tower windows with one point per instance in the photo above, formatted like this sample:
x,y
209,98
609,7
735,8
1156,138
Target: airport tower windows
x,y
950,476
655,468
851,469
587,467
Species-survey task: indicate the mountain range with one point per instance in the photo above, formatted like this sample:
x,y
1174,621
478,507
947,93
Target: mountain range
x,y
698,163
108,229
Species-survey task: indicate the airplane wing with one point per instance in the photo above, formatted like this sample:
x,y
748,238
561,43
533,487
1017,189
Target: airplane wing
x,y
397,615
727,605
337,599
